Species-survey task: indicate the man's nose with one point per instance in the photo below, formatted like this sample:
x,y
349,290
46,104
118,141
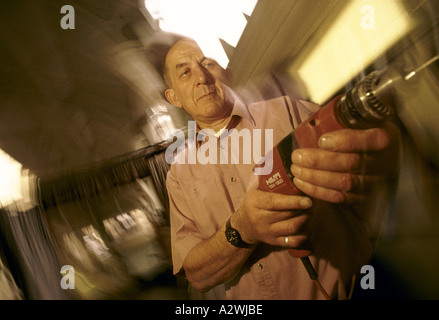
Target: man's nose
x,y
203,76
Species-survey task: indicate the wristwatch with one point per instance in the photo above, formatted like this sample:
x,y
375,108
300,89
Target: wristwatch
x,y
234,238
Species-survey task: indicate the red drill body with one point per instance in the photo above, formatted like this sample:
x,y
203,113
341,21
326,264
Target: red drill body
x,y
305,136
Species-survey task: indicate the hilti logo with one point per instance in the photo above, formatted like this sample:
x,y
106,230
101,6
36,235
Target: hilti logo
x,y
274,180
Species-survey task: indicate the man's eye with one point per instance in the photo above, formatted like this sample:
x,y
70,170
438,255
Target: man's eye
x,y
185,72
208,65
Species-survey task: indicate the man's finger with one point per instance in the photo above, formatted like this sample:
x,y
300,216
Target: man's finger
x,y
293,226
294,242
328,160
350,140
329,195
341,181
318,192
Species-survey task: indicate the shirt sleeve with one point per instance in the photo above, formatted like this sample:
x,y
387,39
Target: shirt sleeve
x,y
184,231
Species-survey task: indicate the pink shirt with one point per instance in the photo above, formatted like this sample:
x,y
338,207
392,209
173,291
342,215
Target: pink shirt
x,y
204,196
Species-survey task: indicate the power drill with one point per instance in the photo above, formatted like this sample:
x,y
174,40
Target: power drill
x,y
368,104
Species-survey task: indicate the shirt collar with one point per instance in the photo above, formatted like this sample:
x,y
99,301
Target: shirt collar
x,y
240,109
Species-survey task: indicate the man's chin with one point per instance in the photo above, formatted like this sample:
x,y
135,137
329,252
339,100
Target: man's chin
x,y
215,110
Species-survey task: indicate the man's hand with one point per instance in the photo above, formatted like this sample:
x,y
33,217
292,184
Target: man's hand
x,y
347,164
270,217
262,217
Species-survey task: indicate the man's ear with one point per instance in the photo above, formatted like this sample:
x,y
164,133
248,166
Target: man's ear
x,y
172,98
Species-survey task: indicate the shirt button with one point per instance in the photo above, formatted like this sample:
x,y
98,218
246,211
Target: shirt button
x,y
232,179
260,266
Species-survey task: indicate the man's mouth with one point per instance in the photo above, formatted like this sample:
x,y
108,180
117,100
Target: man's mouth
x,y
207,95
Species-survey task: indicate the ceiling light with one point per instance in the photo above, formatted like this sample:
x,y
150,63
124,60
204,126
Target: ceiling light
x,y
206,21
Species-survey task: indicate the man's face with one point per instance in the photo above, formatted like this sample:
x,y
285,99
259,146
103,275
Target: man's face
x,y
197,83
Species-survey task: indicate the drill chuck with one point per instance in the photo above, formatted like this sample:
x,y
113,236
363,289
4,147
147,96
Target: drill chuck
x,y
370,102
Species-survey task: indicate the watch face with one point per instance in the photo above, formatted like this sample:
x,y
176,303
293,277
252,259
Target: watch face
x,y
233,237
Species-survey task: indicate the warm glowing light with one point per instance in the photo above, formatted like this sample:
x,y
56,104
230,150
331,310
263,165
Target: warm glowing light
x,y
206,21
10,180
363,31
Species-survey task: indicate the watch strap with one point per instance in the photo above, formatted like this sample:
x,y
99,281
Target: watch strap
x,y
234,237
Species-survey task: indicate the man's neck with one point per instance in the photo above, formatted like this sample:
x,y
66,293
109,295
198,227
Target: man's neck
x,y
216,125
219,124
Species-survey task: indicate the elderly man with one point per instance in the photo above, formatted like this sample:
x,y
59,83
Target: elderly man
x,y
230,239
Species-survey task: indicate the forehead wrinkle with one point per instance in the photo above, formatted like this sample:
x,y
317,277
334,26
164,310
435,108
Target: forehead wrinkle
x,y
184,63
186,55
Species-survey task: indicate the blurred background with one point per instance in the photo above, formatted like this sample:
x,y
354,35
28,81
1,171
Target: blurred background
x,y
84,126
